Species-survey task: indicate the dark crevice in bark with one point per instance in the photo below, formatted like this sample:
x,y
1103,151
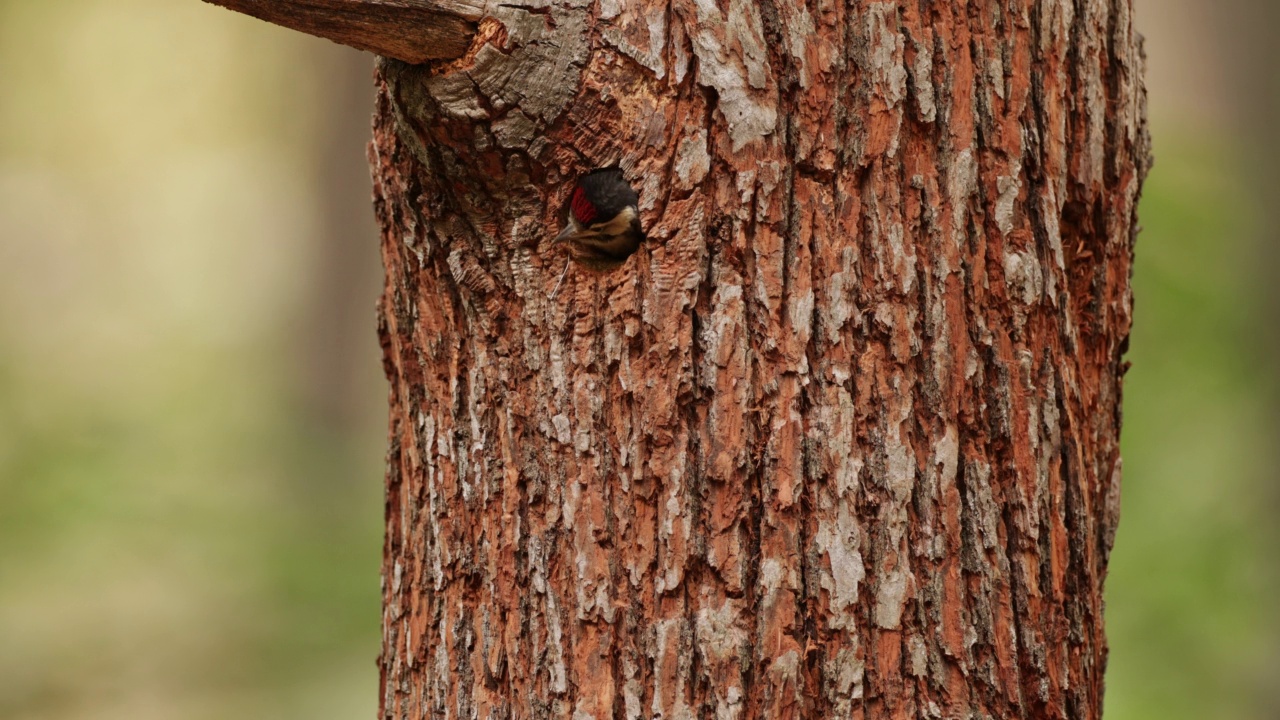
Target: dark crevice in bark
x,y
755,516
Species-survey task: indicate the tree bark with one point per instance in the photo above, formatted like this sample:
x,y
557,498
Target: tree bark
x,y
839,441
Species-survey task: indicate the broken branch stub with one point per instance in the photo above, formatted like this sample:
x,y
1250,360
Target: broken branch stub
x,y
414,31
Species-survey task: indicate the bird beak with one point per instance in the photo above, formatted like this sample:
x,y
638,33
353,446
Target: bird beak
x,y
568,232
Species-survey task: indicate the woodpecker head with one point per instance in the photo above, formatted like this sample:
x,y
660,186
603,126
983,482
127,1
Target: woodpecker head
x,y
604,220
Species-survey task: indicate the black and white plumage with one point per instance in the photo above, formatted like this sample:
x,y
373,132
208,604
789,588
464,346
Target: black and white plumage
x,y
603,227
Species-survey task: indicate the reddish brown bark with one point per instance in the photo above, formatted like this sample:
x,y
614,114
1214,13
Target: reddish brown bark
x,y
841,440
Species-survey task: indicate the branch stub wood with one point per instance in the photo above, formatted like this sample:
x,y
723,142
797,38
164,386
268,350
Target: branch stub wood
x,y
414,31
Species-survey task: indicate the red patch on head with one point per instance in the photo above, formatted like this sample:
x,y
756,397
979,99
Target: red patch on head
x,y
582,209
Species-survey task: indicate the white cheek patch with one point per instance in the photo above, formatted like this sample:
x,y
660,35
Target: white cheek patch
x,y
615,244
618,225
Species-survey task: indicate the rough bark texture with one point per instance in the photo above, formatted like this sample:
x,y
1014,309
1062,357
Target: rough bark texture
x,y
840,441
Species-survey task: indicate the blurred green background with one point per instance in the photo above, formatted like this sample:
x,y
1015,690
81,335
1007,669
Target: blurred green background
x,y
188,270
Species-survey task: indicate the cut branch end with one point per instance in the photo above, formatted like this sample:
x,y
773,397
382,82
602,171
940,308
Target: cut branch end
x,y
414,31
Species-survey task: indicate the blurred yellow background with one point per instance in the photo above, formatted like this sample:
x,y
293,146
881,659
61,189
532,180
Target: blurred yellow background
x,y
192,408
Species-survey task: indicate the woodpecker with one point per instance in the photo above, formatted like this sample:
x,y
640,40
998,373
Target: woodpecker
x,y
604,220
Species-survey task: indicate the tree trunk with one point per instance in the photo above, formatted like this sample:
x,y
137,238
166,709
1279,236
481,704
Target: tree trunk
x,y
839,441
